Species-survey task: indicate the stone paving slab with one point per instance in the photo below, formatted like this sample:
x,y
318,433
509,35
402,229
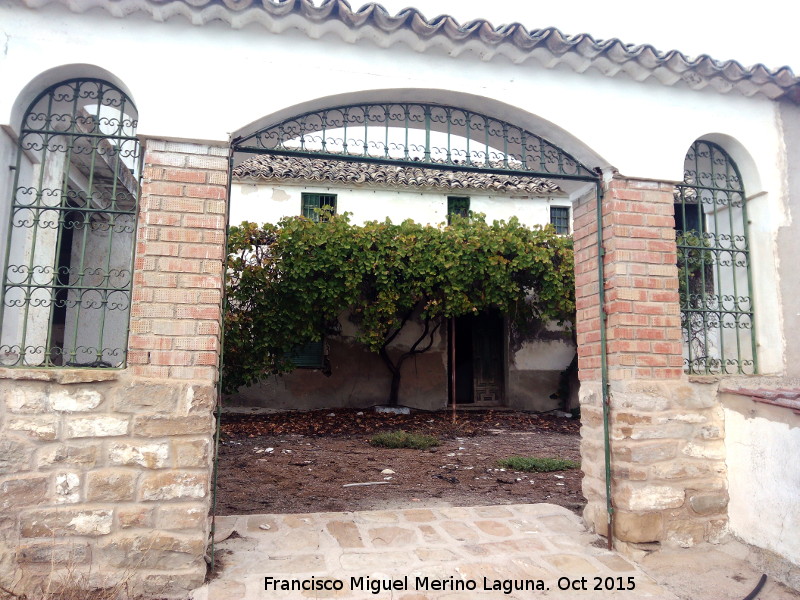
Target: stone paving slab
x,y
485,552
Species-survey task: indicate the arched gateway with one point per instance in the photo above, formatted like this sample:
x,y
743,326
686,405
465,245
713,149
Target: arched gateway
x,y
419,160
432,138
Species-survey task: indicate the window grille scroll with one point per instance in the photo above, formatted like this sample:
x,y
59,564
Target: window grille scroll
x,y
714,265
68,267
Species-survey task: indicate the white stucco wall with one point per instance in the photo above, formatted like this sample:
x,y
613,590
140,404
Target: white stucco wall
x,y
269,202
761,444
210,82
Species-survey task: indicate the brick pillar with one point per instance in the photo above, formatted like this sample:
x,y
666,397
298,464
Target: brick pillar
x,y
668,471
176,312
174,348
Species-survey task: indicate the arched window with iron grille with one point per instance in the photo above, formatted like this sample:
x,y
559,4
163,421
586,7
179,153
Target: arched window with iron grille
x,y
714,264
67,276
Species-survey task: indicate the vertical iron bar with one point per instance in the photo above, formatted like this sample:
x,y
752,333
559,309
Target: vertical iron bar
x,y
751,307
386,131
38,210
717,271
486,140
64,204
505,144
427,155
687,303
366,130
324,129
542,158
138,157
344,137
221,360
109,249
95,142
405,148
604,383
734,273
468,135
449,116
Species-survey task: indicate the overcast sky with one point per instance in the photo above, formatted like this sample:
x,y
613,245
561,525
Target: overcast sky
x,y
749,31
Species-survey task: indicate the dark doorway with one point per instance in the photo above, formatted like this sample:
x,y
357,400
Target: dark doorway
x,y
477,359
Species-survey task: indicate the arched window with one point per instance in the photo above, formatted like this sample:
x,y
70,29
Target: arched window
x,y
69,257
714,264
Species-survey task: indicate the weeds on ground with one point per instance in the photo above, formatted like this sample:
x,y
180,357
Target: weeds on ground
x,y
538,465
71,586
73,582
402,439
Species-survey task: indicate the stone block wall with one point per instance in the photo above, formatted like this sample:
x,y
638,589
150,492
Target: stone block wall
x,y
666,433
109,471
669,478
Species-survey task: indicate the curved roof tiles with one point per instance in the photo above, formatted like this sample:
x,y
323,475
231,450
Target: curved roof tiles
x,y
550,47
269,167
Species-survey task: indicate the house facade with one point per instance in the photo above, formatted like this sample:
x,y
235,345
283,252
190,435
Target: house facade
x,y
122,124
492,364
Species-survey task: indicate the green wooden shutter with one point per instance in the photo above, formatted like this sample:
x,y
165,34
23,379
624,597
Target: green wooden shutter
x,y
310,356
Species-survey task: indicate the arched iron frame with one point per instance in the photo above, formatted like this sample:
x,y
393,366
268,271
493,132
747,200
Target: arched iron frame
x,y
715,281
78,129
416,134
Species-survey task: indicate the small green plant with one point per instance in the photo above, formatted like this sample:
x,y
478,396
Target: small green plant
x,y
402,439
539,465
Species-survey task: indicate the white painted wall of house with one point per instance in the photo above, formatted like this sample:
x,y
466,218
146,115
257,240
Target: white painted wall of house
x,y
763,478
263,202
268,202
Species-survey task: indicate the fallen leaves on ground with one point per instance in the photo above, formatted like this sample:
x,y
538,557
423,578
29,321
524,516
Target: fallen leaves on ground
x,y
347,422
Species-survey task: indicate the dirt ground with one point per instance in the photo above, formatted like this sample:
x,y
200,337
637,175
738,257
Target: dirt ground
x,y
299,462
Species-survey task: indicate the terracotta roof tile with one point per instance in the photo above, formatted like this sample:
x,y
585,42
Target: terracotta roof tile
x,y
549,46
272,167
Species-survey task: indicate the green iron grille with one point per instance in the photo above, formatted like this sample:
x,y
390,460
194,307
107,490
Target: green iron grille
x,y
714,265
68,266
317,207
559,219
416,134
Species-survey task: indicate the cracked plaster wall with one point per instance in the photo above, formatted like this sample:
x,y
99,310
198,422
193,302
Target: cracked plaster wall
x,y
761,443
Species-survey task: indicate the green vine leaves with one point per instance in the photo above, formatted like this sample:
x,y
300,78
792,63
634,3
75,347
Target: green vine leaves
x,y
290,283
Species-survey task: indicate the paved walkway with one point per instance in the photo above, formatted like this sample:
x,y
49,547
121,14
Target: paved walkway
x,y
427,553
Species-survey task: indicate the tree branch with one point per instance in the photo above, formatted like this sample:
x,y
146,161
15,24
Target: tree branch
x,y
427,332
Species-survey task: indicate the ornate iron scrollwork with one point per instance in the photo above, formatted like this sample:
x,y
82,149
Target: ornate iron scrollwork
x,y
418,134
68,267
714,265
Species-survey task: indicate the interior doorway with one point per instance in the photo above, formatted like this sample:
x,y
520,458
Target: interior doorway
x,y
477,359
